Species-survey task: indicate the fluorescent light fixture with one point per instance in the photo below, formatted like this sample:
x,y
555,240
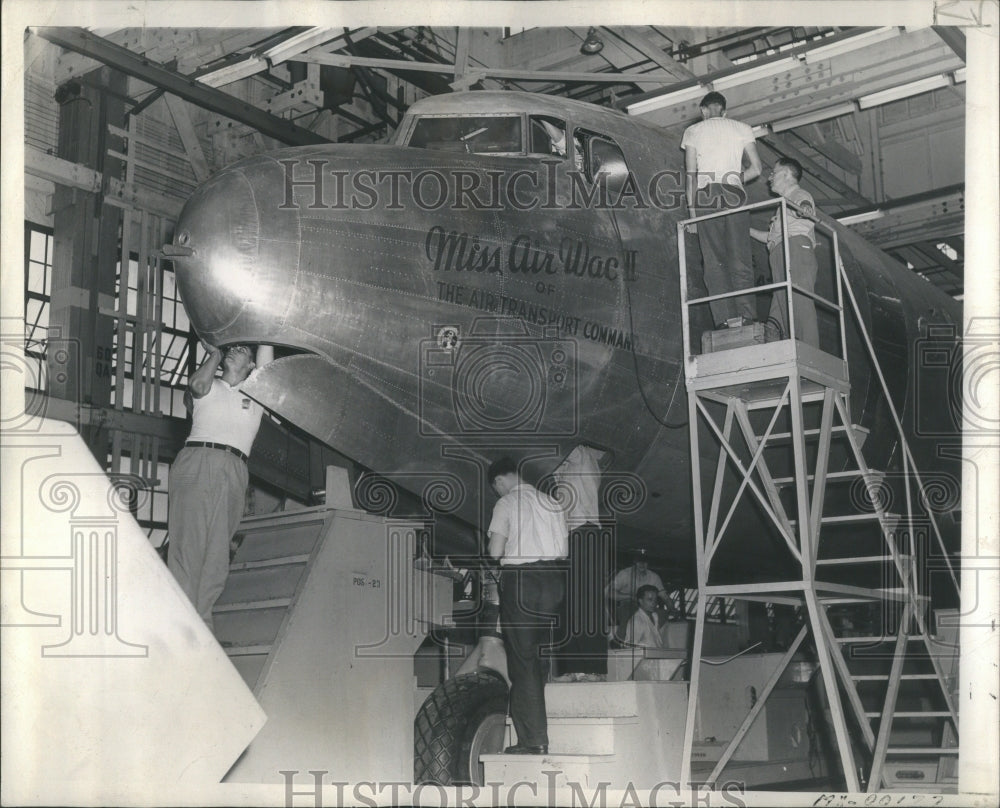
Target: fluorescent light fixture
x,y
903,91
761,130
234,72
813,117
948,250
295,45
252,65
857,218
849,44
668,100
959,75
754,73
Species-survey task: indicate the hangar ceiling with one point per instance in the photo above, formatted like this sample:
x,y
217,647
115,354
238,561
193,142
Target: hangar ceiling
x,y
876,116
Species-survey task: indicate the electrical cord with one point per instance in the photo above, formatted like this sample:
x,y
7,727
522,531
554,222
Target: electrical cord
x,y
635,359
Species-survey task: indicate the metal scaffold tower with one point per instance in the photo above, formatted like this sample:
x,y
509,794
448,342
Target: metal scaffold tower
x,y
773,442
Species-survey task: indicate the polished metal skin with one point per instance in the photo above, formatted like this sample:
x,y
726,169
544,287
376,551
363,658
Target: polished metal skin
x,y
435,327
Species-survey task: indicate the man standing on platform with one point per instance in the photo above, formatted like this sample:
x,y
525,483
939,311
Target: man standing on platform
x,y
784,181
714,149
528,536
208,479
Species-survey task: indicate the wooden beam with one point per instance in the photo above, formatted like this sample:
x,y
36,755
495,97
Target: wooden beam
x,y
953,37
937,257
275,459
161,426
73,175
345,60
64,172
830,149
146,141
182,120
230,43
642,42
125,61
556,57
462,46
781,144
33,47
572,76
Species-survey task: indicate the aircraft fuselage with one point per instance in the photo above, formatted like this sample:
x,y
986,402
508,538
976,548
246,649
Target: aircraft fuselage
x,y
503,278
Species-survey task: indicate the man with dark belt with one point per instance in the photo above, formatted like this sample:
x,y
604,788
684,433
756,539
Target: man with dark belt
x,y
208,479
528,536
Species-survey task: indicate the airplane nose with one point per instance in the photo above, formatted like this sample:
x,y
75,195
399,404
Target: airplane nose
x,y
215,252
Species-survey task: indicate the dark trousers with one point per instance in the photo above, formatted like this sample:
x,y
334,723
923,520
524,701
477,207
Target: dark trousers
x,y
585,649
802,258
725,250
531,598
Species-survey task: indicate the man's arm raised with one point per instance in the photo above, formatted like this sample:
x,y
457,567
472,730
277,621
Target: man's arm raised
x,y
201,379
265,355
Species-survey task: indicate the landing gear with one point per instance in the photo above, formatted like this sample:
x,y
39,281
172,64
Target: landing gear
x,y
462,719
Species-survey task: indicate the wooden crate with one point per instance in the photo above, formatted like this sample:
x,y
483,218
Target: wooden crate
x,y
727,338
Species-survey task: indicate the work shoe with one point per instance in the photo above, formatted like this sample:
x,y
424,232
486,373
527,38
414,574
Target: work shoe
x,y
520,749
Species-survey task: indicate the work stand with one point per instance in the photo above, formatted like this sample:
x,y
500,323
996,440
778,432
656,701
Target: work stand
x,y
773,442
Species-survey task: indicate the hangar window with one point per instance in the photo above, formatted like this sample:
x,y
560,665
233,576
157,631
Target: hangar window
x,y
473,134
38,244
174,343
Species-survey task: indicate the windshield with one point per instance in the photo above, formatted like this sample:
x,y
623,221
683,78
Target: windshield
x,y
479,134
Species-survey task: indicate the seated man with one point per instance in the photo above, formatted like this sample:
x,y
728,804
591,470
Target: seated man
x,y
624,588
643,629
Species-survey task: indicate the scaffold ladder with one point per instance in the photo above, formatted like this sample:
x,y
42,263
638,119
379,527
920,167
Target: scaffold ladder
x,y
778,416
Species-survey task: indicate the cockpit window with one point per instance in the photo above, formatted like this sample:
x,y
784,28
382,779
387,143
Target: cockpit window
x,y
548,136
605,160
480,134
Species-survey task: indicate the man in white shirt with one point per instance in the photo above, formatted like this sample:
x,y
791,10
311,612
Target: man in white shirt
x,y
643,628
713,159
625,586
528,536
208,479
784,181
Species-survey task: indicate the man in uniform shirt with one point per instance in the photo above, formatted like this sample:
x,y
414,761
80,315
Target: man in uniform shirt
x,y
208,479
528,536
784,181
713,160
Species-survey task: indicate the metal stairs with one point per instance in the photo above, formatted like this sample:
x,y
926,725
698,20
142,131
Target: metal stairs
x,y
817,488
629,733
266,574
854,541
601,732
281,620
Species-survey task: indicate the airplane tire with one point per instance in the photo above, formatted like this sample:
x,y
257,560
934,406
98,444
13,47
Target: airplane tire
x,y
457,722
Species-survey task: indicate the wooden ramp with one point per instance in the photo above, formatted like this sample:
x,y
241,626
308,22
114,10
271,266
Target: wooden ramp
x,y
113,685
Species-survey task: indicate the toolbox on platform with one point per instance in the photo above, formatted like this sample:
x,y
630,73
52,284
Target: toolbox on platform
x,y
738,337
